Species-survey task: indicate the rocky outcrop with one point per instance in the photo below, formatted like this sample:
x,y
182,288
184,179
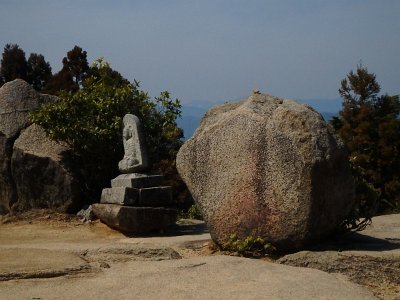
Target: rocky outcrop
x,y
370,258
32,174
267,167
39,167
7,191
17,99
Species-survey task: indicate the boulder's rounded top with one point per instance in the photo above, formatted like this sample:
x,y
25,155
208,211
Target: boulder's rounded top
x,y
17,100
262,103
15,89
258,105
14,94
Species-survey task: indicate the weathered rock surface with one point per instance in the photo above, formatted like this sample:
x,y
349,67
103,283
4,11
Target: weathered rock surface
x,y
41,174
7,190
267,167
17,99
86,214
214,277
35,172
135,219
40,263
370,258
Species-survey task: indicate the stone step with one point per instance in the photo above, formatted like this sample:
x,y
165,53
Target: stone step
x,y
137,180
154,196
120,195
135,219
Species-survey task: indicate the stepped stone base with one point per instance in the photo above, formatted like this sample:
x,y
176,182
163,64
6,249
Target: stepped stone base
x,y
135,219
153,196
137,180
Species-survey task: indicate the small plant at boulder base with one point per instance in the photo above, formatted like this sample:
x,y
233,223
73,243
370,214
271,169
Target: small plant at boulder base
x,y
250,246
194,213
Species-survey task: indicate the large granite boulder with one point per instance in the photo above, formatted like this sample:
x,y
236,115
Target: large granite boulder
x,y
41,171
267,167
34,171
17,99
7,192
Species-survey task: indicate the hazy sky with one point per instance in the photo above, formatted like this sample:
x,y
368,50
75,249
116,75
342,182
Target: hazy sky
x,y
213,51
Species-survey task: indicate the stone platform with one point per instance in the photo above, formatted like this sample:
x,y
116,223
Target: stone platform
x,y
137,203
135,219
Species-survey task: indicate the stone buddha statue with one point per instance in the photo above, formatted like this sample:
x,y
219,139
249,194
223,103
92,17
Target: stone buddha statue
x,y
135,156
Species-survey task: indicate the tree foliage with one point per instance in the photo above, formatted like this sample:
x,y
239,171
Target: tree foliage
x,y
13,63
76,63
38,71
370,127
59,82
35,70
90,122
70,78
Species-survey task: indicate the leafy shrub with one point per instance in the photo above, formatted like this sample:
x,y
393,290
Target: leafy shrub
x,y
192,212
251,246
90,122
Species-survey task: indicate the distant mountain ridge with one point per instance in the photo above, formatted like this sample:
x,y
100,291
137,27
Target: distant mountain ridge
x,y
191,114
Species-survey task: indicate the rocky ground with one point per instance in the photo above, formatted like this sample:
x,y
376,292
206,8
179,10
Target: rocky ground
x,y
56,256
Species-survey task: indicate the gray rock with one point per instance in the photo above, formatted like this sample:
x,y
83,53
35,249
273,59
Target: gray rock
x,y
210,277
154,196
370,258
7,189
87,214
40,173
135,219
267,167
135,157
137,180
17,100
43,263
120,195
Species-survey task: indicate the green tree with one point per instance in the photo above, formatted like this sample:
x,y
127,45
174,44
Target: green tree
x,y
59,82
13,63
89,121
70,78
38,71
104,71
369,125
77,64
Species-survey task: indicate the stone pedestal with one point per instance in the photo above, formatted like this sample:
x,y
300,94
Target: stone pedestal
x,y
152,196
137,220
137,203
137,180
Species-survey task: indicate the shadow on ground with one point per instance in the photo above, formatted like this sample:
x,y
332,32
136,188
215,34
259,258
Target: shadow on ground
x,y
182,227
354,241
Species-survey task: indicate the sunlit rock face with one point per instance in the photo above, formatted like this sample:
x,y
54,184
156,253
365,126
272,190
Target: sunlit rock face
x,y
267,167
